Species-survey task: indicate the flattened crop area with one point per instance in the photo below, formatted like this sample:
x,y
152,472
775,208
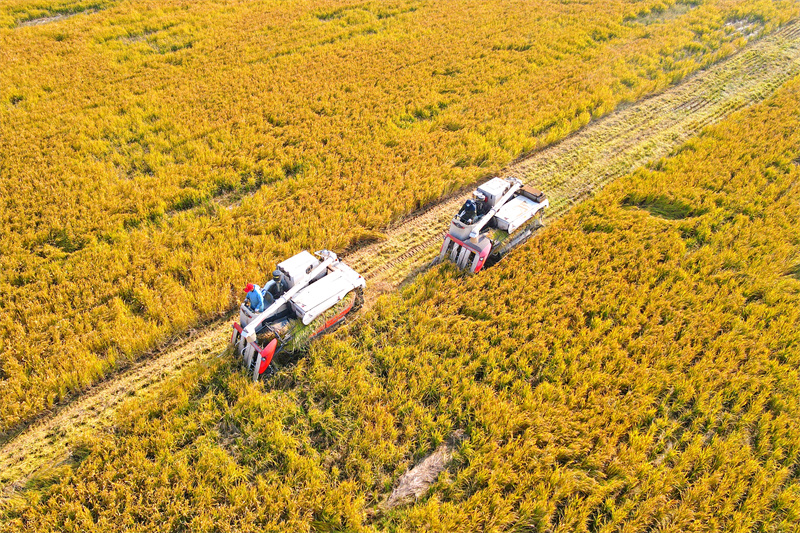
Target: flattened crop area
x,y
569,172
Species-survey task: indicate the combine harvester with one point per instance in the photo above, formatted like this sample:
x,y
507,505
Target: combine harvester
x,y
501,215
307,298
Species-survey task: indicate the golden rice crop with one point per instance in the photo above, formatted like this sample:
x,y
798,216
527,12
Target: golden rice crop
x,y
156,155
633,368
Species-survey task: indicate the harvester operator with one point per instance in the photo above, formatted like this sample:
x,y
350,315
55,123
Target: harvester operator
x,y
277,286
254,298
481,204
468,212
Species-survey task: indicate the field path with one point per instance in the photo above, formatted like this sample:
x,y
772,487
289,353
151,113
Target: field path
x,y
568,172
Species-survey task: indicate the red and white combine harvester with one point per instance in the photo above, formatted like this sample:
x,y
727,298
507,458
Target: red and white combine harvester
x,y
501,215
306,298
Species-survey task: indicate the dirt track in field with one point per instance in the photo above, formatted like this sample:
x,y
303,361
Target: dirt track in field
x,y
568,172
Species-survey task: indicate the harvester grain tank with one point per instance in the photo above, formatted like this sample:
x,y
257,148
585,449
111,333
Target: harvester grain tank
x,y
313,296
501,215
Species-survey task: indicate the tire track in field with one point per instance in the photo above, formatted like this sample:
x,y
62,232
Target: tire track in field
x,y
583,163
568,172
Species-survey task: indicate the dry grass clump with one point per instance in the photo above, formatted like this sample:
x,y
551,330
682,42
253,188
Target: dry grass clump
x,y
633,368
415,483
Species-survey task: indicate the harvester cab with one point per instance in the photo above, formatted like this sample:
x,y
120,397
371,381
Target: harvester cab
x,y
501,215
306,298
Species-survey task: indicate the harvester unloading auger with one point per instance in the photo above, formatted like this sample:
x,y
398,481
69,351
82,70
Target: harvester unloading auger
x,y
501,215
309,298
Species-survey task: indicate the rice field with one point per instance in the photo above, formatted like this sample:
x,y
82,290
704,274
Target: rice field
x,y
632,368
155,155
630,137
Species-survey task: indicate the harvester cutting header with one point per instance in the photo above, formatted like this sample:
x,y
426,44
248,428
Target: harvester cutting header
x,y
306,297
501,215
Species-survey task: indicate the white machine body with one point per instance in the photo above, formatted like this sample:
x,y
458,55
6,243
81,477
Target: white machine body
x,y
312,286
502,207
